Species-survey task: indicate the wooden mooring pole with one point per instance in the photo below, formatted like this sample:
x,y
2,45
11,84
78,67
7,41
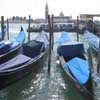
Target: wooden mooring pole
x,y
50,43
29,28
8,29
92,86
98,66
52,34
2,27
77,28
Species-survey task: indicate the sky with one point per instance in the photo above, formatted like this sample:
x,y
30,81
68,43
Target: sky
x,y
36,8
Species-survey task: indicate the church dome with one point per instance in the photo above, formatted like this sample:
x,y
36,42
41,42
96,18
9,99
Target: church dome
x,y
61,14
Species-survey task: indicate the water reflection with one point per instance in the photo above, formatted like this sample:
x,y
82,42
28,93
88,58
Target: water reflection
x,y
23,89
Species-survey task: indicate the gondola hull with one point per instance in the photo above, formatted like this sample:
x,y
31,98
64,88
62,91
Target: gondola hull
x,y
9,49
8,78
30,59
10,54
93,40
75,65
80,89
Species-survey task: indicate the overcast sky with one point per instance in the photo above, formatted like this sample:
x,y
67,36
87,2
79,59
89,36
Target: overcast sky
x,y
36,8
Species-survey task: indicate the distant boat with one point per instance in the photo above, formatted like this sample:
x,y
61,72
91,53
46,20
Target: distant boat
x,y
33,54
9,49
93,40
75,65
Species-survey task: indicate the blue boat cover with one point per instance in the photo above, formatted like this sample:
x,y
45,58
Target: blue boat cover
x,y
14,63
4,42
92,39
79,69
67,48
35,46
0,35
21,37
63,38
7,45
42,37
71,49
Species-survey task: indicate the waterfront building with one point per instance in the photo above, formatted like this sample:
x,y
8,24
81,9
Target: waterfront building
x,y
58,19
63,19
60,22
39,20
17,19
87,20
86,17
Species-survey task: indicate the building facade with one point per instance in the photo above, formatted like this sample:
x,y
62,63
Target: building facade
x,y
58,19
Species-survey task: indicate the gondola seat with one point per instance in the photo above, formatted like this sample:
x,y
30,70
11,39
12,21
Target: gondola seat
x,y
13,63
33,48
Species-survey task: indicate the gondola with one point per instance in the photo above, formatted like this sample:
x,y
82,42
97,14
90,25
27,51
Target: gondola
x,y
9,49
93,40
75,66
33,53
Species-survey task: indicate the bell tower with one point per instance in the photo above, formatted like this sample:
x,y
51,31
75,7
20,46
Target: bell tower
x,y
46,11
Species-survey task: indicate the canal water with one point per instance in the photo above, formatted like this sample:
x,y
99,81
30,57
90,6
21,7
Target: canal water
x,y
41,85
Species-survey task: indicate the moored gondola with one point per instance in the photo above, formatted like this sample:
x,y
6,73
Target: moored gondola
x,y
75,66
9,49
93,40
33,53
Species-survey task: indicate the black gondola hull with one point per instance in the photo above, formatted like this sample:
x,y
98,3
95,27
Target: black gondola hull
x,y
81,89
10,54
13,76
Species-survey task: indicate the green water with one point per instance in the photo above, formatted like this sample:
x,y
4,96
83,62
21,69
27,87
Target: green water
x,y
41,85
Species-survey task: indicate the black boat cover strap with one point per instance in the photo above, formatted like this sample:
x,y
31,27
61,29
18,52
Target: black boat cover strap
x,y
15,62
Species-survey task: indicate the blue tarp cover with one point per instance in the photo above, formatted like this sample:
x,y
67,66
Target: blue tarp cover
x,y
7,45
71,49
42,37
68,48
79,69
92,39
63,38
0,35
13,63
21,37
